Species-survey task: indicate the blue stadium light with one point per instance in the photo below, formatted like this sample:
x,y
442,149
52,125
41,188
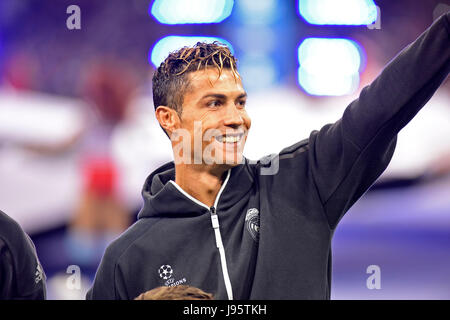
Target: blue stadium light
x,y
258,71
191,11
342,12
329,67
257,12
163,47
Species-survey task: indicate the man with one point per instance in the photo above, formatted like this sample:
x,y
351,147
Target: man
x,y
21,275
258,230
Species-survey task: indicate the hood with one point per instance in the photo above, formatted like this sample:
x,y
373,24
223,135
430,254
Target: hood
x,y
163,199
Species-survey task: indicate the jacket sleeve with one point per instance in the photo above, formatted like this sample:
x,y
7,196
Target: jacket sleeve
x,y
29,263
345,158
109,282
104,287
6,272
21,274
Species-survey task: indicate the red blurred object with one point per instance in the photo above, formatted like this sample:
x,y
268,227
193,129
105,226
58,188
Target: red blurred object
x,y
20,71
100,176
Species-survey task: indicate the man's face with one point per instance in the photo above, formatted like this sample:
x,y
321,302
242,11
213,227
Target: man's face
x,y
214,114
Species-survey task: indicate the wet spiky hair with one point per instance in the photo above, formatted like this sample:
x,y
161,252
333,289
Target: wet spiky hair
x,y
170,81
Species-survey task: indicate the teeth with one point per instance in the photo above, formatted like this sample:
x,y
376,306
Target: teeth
x,y
228,139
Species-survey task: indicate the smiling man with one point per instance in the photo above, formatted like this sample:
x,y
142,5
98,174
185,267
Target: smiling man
x,y
209,131
258,230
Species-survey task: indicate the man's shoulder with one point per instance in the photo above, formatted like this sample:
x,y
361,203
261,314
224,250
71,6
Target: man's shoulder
x,y
298,147
269,165
11,233
125,242
6,223
19,261
16,243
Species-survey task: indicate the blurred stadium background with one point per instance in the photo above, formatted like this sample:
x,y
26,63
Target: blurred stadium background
x,y
77,123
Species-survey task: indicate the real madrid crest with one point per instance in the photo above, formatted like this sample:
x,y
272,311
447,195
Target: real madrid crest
x,y
252,223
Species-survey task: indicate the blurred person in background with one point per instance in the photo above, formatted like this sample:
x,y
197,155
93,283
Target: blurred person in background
x,y
20,71
107,87
21,274
244,230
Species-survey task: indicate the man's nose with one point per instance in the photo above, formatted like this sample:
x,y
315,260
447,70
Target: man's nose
x,y
233,117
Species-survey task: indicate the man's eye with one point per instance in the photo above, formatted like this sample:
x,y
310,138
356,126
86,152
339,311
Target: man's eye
x,y
242,103
214,103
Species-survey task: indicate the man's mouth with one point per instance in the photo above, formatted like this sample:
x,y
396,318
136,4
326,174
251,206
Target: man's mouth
x,y
230,138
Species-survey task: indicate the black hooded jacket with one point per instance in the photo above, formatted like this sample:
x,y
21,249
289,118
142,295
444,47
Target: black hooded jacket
x,y
269,234
21,274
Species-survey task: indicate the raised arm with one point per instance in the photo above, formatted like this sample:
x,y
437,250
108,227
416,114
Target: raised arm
x,y
348,156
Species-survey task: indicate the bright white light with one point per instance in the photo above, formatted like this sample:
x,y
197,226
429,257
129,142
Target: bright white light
x,y
342,12
327,85
191,11
163,47
320,55
329,67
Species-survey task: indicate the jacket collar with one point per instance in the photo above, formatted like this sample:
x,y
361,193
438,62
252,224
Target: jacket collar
x,y
163,199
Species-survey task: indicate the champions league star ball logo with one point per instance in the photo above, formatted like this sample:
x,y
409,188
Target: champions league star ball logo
x,y
165,271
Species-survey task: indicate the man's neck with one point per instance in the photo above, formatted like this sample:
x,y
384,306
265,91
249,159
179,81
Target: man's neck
x,y
201,183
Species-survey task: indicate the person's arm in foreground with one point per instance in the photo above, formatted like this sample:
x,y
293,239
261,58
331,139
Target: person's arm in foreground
x,y
348,156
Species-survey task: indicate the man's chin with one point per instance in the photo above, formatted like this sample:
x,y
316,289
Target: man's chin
x,y
229,161
228,156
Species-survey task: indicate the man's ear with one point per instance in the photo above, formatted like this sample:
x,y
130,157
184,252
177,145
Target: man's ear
x,y
168,119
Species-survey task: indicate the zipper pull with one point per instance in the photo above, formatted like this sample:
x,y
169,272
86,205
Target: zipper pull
x,y
214,218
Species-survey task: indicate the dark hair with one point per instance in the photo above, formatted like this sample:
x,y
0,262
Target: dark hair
x,y
170,81
180,292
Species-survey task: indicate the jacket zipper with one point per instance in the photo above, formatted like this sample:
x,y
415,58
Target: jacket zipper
x,y
219,244
216,226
